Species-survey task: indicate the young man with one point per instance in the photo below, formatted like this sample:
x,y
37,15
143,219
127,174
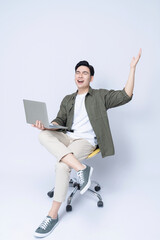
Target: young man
x,y
85,112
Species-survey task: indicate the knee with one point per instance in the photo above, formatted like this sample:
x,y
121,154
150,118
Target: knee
x,y
62,167
42,136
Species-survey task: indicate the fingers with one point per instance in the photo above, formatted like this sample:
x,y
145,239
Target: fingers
x,y
140,51
39,125
139,54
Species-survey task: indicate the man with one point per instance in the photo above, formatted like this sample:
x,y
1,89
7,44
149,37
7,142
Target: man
x,y
85,112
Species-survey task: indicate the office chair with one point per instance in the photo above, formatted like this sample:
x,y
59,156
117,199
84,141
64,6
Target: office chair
x,y
74,183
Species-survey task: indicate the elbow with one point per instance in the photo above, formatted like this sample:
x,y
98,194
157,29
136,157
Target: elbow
x,y
128,93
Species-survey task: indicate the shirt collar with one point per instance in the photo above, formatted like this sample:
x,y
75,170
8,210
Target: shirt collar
x,y
89,92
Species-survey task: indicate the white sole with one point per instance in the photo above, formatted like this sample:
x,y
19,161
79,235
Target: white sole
x,y
38,235
88,184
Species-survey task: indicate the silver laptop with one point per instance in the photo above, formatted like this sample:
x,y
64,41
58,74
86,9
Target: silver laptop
x,y
35,110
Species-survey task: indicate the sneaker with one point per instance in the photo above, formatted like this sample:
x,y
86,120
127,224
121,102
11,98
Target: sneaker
x,y
85,178
46,227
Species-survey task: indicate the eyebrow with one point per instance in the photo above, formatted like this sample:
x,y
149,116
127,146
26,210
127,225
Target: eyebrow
x,y
82,72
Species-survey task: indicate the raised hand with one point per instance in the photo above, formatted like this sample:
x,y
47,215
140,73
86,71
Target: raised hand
x,y
136,59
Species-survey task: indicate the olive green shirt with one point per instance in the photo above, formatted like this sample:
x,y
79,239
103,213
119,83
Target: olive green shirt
x,y
97,102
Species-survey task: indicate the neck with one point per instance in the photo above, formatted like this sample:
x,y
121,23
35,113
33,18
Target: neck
x,y
82,91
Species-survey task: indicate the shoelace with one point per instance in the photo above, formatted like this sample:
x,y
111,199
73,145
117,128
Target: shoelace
x,y
81,177
45,223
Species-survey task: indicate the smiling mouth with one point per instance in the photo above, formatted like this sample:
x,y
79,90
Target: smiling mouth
x,y
80,81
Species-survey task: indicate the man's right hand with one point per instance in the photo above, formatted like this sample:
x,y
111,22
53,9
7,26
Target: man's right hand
x,y
39,125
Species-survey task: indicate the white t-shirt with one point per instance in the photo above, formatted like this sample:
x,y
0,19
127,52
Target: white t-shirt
x,y
81,124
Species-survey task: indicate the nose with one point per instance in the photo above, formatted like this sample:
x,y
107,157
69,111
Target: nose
x,y
80,75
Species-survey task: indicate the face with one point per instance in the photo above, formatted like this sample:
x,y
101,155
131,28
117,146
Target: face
x,y
83,77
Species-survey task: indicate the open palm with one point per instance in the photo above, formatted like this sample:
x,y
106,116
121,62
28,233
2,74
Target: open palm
x,y
136,59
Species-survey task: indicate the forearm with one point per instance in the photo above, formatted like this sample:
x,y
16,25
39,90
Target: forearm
x,y
130,82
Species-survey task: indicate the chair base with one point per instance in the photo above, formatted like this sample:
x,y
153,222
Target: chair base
x,y
73,183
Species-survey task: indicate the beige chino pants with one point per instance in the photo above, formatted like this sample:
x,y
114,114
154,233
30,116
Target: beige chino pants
x,y
60,144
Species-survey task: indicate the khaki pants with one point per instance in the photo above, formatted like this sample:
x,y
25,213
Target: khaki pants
x,y
60,144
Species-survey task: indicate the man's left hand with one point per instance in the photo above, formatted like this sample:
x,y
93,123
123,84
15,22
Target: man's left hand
x,y
135,60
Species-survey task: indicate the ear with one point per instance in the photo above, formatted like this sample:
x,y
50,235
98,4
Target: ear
x,y
91,80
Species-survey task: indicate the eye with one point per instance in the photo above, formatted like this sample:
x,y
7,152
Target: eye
x,y
85,73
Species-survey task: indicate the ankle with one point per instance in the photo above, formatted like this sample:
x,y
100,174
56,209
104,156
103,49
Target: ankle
x,y
82,167
53,215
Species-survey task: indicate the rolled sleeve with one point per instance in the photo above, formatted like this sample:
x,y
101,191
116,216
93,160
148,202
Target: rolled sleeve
x,y
126,95
115,98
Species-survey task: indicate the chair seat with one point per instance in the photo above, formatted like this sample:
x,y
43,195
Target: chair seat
x,y
96,151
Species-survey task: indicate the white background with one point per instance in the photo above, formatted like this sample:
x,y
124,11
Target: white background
x,y
40,44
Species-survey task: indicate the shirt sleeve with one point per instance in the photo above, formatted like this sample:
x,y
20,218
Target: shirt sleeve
x,y
61,118
115,98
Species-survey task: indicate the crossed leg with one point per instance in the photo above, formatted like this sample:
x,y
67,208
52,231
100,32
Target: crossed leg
x,y
69,153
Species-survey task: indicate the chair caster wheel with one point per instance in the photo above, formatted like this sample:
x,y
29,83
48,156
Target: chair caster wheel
x,y
71,181
50,194
100,204
68,208
97,188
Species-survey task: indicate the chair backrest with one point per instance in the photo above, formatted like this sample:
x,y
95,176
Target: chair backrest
x,y
96,151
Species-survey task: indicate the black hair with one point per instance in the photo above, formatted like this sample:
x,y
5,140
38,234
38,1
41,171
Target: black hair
x,y
85,63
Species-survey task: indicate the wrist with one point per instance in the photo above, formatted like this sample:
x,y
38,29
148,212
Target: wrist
x,y
54,123
132,68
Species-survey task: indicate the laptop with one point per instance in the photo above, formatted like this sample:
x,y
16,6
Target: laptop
x,y
35,110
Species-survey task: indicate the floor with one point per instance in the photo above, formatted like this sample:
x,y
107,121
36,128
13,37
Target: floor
x,y
131,210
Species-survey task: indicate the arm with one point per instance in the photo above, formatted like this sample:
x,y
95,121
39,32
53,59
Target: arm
x,y
114,98
130,83
117,98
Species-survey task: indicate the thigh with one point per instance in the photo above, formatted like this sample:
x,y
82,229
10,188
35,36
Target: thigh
x,y
81,148
55,142
49,135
